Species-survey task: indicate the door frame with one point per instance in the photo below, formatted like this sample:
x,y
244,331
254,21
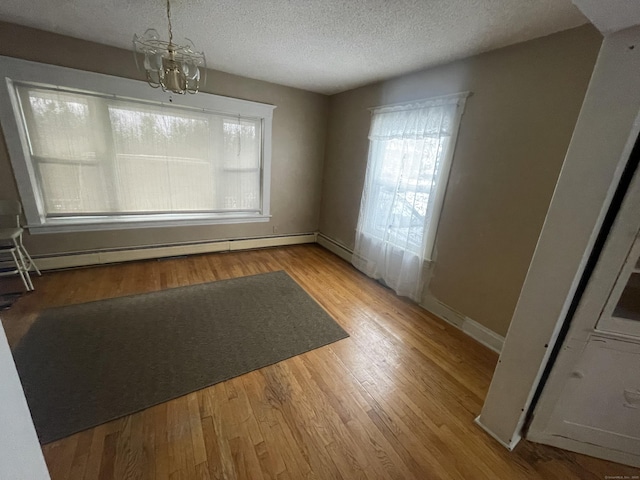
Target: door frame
x,y
606,130
618,243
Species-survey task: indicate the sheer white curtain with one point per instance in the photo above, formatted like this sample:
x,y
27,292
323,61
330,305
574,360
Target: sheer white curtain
x,y
409,155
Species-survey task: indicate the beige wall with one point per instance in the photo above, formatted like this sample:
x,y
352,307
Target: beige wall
x,y
512,141
513,138
299,128
601,146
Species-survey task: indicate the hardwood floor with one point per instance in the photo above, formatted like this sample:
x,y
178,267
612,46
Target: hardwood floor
x,y
396,400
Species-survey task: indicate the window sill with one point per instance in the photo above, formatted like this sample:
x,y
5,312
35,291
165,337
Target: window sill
x,y
92,224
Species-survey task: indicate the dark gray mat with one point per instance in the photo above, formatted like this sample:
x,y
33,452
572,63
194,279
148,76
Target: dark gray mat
x,y
83,365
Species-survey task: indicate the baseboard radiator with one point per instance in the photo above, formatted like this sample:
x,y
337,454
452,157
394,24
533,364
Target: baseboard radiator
x,y
83,259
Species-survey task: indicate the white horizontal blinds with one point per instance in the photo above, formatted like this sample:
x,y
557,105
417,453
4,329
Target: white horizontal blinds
x,y
163,159
241,164
104,156
63,149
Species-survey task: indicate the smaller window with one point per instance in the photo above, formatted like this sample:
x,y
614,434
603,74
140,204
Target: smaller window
x,y
410,152
88,160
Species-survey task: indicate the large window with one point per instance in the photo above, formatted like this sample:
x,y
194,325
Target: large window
x,y
92,160
410,151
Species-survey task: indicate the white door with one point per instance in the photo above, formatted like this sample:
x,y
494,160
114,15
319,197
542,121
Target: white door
x,y
591,400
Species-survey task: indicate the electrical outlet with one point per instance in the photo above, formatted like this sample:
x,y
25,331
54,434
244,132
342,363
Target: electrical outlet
x,y
275,229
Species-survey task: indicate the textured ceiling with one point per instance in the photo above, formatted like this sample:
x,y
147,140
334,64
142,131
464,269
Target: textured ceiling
x,y
325,46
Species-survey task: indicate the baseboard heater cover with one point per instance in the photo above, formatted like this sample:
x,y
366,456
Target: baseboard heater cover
x,y
83,259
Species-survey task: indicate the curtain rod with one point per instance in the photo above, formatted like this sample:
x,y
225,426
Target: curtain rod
x,y
461,95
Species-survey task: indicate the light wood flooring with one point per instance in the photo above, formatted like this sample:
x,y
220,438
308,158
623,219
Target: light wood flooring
x,y
396,400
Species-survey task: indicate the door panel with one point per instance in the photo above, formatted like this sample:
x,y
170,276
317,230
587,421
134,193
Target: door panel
x,y
590,402
600,402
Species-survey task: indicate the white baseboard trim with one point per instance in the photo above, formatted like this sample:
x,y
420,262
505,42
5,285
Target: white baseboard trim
x,y
251,243
472,328
509,446
335,247
83,259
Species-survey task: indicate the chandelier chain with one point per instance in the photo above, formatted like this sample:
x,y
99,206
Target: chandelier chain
x,y
169,20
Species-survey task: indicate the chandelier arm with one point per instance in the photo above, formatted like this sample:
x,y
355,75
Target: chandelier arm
x,y
173,68
135,53
195,90
151,83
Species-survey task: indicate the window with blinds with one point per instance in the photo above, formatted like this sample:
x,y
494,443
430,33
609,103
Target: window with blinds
x,y
100,156
97,152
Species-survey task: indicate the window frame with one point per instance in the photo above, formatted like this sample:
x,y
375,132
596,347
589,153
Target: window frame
x,y
22,71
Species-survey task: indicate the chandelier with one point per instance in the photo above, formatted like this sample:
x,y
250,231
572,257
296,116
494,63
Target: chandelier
x,y
174,68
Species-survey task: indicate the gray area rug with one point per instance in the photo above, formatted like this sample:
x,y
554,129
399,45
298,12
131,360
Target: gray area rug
x,y
83,365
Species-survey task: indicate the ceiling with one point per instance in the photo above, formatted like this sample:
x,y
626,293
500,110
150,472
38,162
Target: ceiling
x,y
611,16
325,46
